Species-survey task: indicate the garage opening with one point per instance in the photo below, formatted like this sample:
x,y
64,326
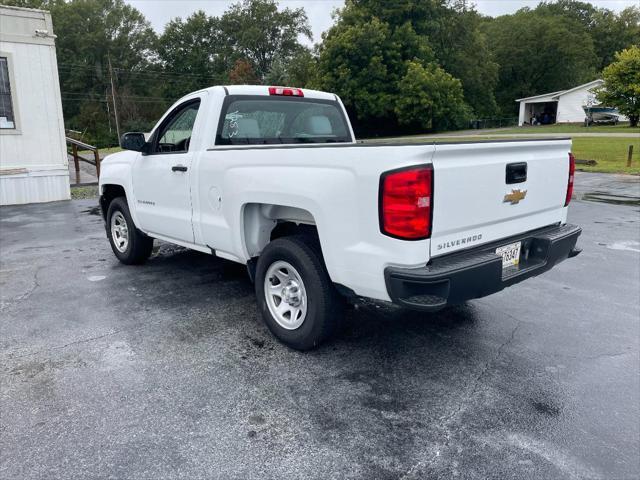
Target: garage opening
x,y
541,113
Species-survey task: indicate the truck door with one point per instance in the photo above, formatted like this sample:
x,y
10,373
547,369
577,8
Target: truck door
x,y
161,177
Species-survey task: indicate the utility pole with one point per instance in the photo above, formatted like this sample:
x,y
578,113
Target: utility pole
x,y
106,101
113,97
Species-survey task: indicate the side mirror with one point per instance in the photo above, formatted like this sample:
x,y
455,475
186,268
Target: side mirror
x,y
133,141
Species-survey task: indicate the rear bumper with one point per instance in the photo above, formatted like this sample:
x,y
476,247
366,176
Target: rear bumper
x,y
478,272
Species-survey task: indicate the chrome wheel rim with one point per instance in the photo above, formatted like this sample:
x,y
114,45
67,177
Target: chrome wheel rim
x,y
286,295
119,232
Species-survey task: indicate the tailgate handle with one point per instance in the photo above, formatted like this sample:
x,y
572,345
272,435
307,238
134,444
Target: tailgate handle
x,y
516,173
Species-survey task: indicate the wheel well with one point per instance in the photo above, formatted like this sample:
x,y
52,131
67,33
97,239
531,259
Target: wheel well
x,y
285,228
109,192
266,222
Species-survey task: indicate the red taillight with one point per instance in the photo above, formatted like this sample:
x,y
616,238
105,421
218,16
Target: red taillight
x,y
286,91
406,198
572,172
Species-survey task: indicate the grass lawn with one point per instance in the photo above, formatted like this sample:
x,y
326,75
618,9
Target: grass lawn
x,y
564,129
572,128
104,151
609,152
84,192
107,151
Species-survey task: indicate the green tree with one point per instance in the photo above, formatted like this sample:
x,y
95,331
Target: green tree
x,y
451,30
90,30
463,51
278,74
538,54
610,31
378,48
256,30
41,4
613,32
621,87
88,33
302,69
364,61
192,48
431,98
298,71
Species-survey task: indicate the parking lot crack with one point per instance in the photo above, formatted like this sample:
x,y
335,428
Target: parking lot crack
x,y
447,420
71,344
499,352
607,355
477,382
35,285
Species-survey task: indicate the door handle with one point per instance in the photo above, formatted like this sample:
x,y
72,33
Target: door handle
x,y
178,168
516,173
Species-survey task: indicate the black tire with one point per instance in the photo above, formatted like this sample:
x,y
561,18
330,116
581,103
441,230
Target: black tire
x,y
324,304
139,245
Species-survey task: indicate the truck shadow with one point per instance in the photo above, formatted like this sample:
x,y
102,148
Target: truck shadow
x,y
201,282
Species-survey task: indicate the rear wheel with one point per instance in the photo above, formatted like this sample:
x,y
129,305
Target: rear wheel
x,y
129,244
296,297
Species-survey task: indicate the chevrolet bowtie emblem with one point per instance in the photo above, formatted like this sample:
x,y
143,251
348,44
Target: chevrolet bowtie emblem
x,y
515,196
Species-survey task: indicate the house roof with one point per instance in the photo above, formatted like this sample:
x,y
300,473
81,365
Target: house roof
x,y
598,81
552,94
23,9
559,93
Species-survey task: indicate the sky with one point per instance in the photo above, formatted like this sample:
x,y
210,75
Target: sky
x,y
159,12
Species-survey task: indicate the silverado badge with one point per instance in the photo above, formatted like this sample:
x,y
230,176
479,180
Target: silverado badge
x,y
515,196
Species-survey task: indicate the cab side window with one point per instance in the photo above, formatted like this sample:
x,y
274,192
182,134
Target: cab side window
x,y
174,134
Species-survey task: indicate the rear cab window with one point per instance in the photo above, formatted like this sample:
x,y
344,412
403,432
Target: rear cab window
x,y
260,120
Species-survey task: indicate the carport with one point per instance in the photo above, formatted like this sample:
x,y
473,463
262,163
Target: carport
x,y
543,108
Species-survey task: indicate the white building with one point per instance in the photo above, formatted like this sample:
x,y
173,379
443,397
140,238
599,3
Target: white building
x,y
33,154
564,106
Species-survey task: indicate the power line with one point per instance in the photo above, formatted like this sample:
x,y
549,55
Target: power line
x,y
164,72
136,79
100,96
105,101
71,67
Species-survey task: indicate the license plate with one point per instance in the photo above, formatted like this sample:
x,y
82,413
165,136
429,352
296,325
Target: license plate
x,y
510,254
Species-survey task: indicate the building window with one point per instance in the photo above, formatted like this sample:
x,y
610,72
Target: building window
x,y
7,117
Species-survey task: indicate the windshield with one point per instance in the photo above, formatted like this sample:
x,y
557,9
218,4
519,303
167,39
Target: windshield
x,y
272,120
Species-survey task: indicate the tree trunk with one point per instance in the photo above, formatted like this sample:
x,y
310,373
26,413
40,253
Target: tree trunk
x,y
633,120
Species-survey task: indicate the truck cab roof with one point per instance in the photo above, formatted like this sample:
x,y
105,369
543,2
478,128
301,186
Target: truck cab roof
x,y
264,90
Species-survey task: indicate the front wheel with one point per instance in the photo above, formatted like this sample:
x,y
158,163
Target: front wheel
x,y
129,244
296,297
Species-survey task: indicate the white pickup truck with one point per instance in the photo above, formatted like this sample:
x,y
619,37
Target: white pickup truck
x,y
272,177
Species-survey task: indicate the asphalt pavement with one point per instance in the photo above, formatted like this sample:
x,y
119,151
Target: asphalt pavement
x,y
165,371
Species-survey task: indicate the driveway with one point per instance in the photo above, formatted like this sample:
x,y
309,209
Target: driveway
x,y
164,370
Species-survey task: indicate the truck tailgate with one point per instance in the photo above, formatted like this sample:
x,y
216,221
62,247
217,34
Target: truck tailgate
x,y
472,202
